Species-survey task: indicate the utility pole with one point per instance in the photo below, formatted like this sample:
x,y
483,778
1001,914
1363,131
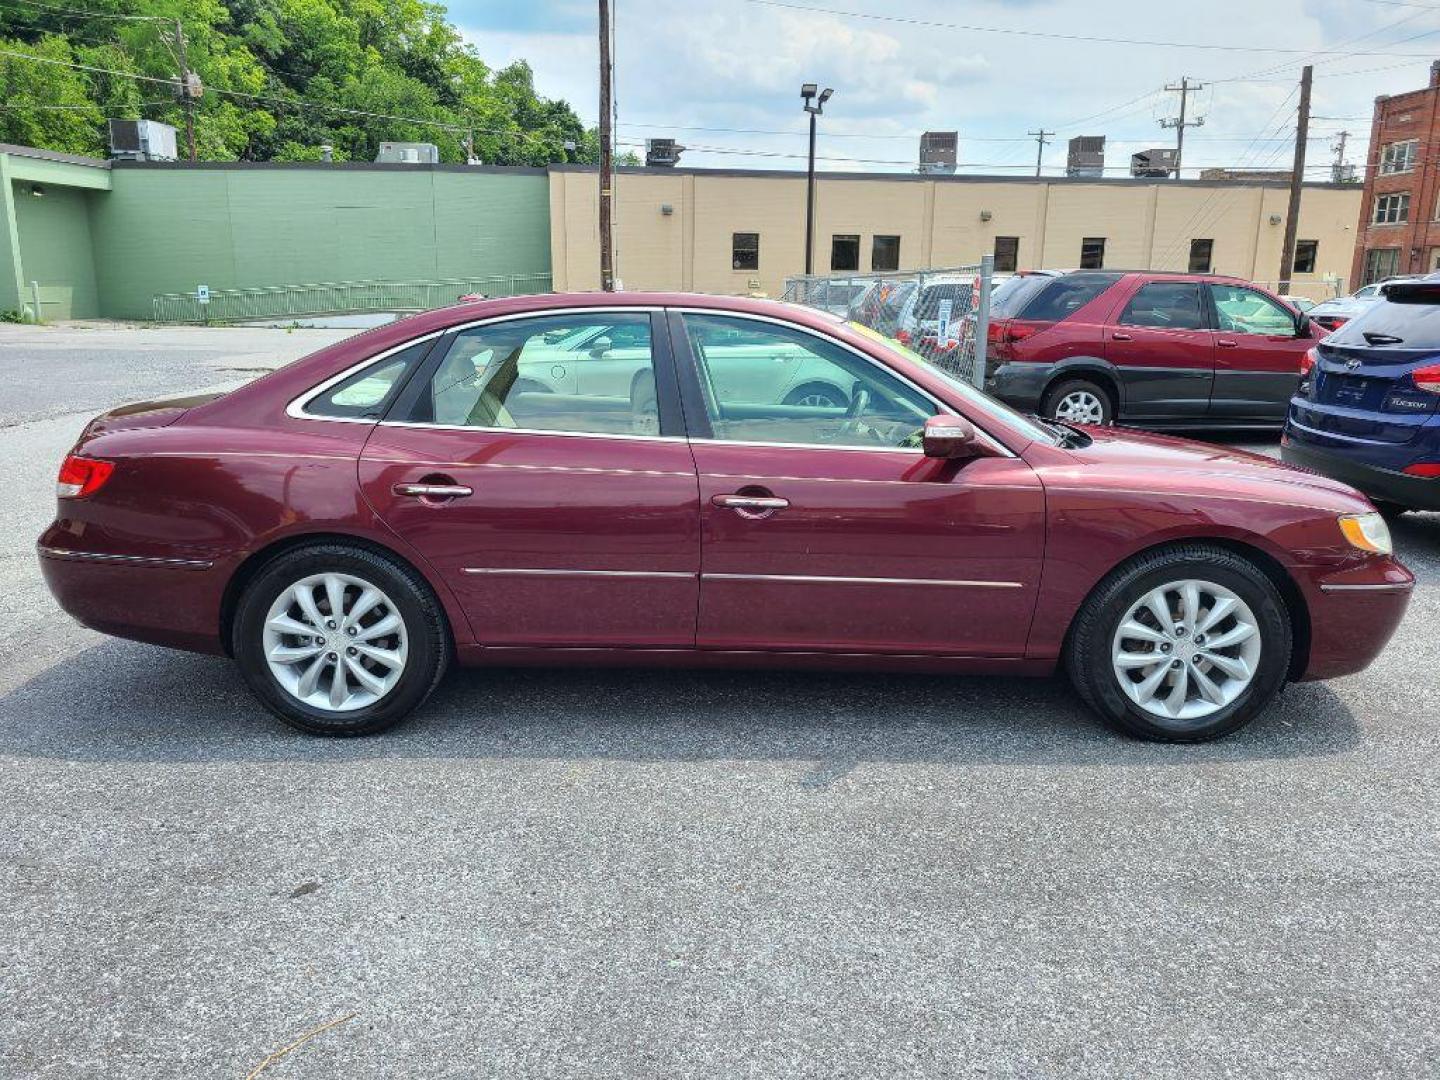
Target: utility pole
x,y
1179,123
1042,138
188,91
1292,216
607,164
1337,171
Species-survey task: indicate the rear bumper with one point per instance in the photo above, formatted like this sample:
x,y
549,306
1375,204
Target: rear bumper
x,y
1415,492
1019,385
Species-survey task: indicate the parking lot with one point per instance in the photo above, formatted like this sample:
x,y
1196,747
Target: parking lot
x,y
675,874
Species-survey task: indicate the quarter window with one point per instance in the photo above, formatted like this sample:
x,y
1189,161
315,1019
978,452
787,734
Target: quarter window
x,y
1392,209
366,394
885,253
575,373
1092,253
1007,254
1307,253
1165,305
1399,157
845,253
1245,311
745,251
767,383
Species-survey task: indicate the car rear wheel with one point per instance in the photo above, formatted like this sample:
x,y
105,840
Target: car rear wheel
x,y
817,396
1185,644
340,640
1079,401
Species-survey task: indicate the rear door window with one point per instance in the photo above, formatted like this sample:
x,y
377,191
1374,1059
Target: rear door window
x,y
1064,296
1165,305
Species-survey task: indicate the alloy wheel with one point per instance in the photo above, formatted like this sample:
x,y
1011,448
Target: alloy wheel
x,y
335,642
1186,650
1080,407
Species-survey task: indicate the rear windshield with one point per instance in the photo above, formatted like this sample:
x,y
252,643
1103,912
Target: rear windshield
x,y
1063,296
1010,296
1408,318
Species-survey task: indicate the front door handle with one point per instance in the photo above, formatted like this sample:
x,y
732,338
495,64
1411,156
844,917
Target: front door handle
x,y
433,491
1121,337
750,506
1226,343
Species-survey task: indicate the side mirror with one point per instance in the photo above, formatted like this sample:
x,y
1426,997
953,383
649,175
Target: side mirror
x,y
1302,325
951,437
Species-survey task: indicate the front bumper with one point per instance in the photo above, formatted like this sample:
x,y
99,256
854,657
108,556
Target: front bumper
x,y
1353,615
1415,492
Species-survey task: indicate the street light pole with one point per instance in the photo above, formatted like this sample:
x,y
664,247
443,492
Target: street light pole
x,y
814,106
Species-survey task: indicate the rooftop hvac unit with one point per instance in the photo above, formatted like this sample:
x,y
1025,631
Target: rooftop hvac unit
x,y
1086,156
409,153
1158,163
142,140
939,151
662,153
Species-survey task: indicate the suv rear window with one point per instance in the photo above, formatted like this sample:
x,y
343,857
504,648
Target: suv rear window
x,y
1010,296
1063,296
1407,316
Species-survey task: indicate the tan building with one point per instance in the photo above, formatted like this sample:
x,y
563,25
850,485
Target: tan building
x,y
734,231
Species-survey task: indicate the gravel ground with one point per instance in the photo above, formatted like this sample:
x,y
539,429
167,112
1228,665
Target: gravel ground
x,y
674,875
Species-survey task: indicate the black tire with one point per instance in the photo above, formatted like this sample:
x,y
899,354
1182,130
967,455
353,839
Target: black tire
x,y
426,629
1068,387
1088,648
836,399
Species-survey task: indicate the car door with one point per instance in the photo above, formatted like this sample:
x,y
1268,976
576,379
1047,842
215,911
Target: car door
x,y
1258,350
558,519
1163,348
827,529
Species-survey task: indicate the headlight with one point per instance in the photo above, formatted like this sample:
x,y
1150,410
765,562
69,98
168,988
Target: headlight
x,y
1368,532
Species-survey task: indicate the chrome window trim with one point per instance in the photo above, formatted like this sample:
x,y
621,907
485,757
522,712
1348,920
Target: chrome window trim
x,y
296,408
940,406
528,431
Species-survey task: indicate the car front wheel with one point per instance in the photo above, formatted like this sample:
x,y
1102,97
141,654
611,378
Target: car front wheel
x,y
1181,645
340,640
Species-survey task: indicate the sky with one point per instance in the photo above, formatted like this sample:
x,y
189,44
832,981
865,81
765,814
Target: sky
x,y
723,76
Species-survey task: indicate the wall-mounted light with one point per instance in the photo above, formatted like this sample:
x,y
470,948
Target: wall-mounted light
x,y
37,191
986,215
1276,219
666,209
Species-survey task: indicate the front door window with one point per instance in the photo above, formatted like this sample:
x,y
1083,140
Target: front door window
x,y
767,383
1245,311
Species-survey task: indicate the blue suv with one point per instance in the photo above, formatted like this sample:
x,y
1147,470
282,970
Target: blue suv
x,y
1365,411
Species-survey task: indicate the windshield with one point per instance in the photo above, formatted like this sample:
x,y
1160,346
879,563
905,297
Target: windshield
x,y
978,398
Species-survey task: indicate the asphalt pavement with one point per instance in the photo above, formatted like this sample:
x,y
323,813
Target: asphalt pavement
x,y
669,874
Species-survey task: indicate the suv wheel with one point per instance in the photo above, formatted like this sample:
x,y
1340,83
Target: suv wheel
x,y
340,640
1182,645
1079,401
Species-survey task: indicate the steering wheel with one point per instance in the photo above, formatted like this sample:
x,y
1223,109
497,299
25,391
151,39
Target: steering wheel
x,y
859,402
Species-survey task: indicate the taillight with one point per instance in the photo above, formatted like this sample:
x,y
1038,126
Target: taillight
x,y
1308,362
1427,378
1423,468
81,476
903,336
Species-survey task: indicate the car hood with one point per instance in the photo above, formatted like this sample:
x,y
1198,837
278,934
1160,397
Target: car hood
x,y
1167,464
1342,306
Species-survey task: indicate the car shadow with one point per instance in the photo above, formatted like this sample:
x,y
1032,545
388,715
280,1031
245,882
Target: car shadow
x,y
123,702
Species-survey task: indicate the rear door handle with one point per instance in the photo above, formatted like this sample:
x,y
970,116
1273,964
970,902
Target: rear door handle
x,y
433,491
1225,343
1121,337
753,507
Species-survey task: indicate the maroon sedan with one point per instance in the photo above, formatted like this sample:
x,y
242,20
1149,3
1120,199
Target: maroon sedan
x,y
664,479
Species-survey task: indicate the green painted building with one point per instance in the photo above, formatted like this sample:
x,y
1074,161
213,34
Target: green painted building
x,y
106,239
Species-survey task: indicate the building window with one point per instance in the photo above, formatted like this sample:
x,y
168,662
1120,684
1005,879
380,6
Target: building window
x,y
745,251
1007,254
1306,252
885,253
1399,157
1200,252
1392,209
1381,263
1092,253
845,253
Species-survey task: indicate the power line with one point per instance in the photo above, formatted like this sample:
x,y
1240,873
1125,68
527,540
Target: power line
x,y
81,13
1056,36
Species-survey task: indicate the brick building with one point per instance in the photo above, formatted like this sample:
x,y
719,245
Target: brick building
x,y
1399,229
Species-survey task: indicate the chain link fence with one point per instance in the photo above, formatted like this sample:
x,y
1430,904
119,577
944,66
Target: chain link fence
x,y
943,313
336,298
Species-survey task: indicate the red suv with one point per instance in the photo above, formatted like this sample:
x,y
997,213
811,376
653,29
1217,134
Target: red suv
x,y
1152,349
